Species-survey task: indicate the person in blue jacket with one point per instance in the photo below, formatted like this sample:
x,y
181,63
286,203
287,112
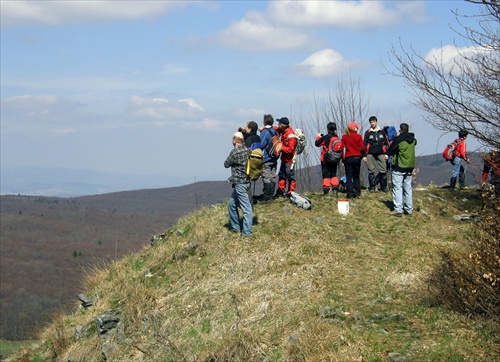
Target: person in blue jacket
x,y
270,161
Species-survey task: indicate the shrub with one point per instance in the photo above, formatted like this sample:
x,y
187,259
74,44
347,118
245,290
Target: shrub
x,y
468,280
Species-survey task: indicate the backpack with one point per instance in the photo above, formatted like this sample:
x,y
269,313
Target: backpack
x,y
274,147
334,153
255,145
301,141
300,201
255,164
391,133
450,150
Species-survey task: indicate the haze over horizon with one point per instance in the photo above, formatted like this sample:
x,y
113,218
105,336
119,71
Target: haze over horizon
x,y
155,89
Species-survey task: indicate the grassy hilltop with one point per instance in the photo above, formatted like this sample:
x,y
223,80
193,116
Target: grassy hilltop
x,y
309,286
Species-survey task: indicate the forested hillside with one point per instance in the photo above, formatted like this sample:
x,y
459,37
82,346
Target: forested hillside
x,y
48,244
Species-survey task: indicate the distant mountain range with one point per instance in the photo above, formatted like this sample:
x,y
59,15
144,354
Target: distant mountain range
x,y
63,182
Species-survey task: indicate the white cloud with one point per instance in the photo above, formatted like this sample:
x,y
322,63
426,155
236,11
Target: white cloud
x,y
19,12
252,114
43,107
163,112
205,123
290,24
450,57
325,63
344,14
258,36
192,105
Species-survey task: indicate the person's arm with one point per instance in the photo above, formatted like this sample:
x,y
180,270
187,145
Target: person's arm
x,y
229,160
393,148
320,139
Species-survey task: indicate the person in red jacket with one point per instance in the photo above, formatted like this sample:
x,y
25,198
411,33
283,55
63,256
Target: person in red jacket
x,y
354,150
492,166
460,154
286,172
328,169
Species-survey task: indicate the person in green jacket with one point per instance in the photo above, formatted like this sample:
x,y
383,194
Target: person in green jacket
x,y
403,161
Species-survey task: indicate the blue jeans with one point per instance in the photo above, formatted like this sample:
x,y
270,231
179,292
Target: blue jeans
x,y
457,167
239,198
401,192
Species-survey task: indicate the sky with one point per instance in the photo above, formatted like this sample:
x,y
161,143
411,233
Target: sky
x,y
159,87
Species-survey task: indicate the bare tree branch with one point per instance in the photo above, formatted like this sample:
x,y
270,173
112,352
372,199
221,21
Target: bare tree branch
x,y
464,93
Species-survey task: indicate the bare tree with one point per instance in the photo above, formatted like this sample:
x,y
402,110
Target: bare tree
x,y
345,103
464,93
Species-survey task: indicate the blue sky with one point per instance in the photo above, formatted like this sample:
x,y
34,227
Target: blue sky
x,y
159,87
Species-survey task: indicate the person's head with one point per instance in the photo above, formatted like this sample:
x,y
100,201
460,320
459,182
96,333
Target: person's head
x,y
403,127
283,123
268,120
463,133
252,126
373,122
353,126
331,127
237,138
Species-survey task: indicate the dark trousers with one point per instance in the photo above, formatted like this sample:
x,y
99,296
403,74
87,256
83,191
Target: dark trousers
x,y
352,169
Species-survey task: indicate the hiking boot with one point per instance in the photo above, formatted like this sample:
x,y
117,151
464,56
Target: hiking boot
x,y
398,214
453,182
279,193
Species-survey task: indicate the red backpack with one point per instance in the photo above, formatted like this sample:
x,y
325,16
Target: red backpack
x,y
335,149
450,150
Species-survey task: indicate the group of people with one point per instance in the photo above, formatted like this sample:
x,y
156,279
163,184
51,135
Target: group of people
x,y
237,161
382,149
376,148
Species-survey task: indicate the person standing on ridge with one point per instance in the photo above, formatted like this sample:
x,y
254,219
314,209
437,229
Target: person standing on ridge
x,y
376,145
328,169
286,172
354,150
402,163
270,161
459,155
237,160
492,166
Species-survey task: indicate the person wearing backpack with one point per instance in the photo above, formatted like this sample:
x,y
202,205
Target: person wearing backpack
x,y
329,168
376,145
459,155
270,160
390,133
491,166
402,163
354,150
237,161
286,173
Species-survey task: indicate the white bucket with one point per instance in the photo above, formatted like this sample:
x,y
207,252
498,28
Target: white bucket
x,y
343,206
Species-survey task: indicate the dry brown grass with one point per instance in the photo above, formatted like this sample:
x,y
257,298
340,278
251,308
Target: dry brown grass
x,y
309,286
